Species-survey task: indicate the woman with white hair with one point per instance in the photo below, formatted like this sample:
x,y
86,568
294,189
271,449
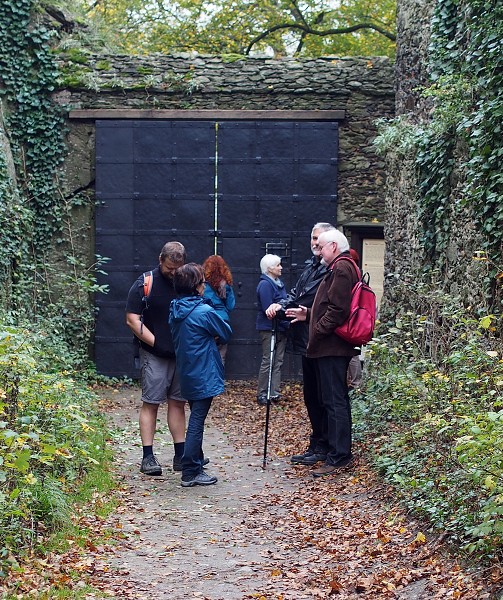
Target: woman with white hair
x,y
270,290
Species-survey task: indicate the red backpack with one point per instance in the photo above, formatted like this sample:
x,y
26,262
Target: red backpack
x,y
359,326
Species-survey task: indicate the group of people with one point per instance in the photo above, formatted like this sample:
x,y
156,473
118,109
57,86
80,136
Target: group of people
x,y
182,341
183,330
318,304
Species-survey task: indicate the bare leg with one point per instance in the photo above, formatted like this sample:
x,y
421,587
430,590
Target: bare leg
x,y
176,420
147,420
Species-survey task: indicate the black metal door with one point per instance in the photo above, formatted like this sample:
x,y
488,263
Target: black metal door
x,y
239,189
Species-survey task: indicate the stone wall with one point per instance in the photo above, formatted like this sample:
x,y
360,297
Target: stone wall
x,y
362,87
454,270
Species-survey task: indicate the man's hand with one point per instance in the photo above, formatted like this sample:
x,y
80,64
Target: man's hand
x,y
297,314
272,310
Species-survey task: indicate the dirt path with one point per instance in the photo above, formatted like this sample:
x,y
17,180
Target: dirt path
x,y
185,543
266,534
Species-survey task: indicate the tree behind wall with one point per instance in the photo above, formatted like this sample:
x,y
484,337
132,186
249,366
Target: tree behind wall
x,y
279,27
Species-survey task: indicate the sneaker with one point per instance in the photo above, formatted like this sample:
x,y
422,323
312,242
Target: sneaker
x,y
177,463
262,400
199,479
150,465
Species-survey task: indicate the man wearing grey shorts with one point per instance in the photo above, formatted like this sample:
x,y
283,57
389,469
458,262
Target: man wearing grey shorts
x,y
148,320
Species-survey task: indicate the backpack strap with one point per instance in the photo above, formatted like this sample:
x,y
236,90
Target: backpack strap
x,y
148,280
349,259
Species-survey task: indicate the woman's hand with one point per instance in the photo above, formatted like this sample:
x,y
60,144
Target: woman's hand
x,y
297,314
272,310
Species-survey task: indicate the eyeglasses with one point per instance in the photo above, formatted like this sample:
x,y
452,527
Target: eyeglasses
x,y
321,247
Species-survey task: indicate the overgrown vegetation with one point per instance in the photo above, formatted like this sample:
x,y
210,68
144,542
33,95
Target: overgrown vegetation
x,y
43,273
434,406
435,385
52,439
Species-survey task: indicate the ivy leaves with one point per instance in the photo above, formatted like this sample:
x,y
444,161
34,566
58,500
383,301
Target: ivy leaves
x,y
35,124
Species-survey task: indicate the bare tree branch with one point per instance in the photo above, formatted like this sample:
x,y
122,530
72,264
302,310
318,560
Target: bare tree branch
x,y
308,30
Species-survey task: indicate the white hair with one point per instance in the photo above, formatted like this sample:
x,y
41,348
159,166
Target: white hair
x,y
334,235
322,227
268,261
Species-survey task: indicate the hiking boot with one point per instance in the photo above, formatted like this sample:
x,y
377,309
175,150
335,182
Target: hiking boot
x,y
328,469
310,457
177,463
150,465
199,479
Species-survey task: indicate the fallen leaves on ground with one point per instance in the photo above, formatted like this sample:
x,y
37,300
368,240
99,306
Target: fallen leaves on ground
x,y
339,537
362,543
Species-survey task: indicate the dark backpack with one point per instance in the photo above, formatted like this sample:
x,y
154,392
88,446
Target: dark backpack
x,y
358,329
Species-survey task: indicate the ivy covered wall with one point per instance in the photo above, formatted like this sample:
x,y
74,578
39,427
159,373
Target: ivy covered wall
x,y
443,151
46,263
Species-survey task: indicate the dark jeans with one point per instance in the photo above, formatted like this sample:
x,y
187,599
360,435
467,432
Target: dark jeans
x,y
331,372
192,461
315,410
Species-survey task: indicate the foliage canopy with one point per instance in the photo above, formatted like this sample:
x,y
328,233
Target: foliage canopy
x,y
278,27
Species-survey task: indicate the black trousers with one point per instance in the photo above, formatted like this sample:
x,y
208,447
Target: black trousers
x,y
331,375
316,412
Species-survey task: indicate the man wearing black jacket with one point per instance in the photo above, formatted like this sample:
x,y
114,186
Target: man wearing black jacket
x,y
303,294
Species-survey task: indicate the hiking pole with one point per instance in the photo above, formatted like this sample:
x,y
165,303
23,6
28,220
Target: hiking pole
x,y
268,407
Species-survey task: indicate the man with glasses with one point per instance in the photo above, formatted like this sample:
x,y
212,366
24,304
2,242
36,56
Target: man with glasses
x,y
331,354
148,320
303,294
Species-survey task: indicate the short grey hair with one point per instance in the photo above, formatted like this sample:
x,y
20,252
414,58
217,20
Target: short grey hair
x,y
268,261
334,235
322,226
174,252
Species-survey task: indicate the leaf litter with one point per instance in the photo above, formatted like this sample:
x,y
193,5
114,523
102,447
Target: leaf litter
x,y
273,534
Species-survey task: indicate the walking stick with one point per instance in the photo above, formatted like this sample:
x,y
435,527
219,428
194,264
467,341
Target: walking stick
x,y
268,407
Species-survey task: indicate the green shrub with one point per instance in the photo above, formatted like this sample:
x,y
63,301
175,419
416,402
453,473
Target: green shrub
x,y
434,405
50,437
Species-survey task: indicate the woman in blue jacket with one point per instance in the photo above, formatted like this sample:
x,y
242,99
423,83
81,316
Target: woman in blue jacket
x,y
194,326
270,290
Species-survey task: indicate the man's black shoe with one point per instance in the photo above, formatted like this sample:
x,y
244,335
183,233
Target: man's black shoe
x,y
150,466
200,479
309,458
262,400
297,457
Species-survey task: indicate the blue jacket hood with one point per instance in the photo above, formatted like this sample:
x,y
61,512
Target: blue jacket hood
x,y
195,325
182,307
